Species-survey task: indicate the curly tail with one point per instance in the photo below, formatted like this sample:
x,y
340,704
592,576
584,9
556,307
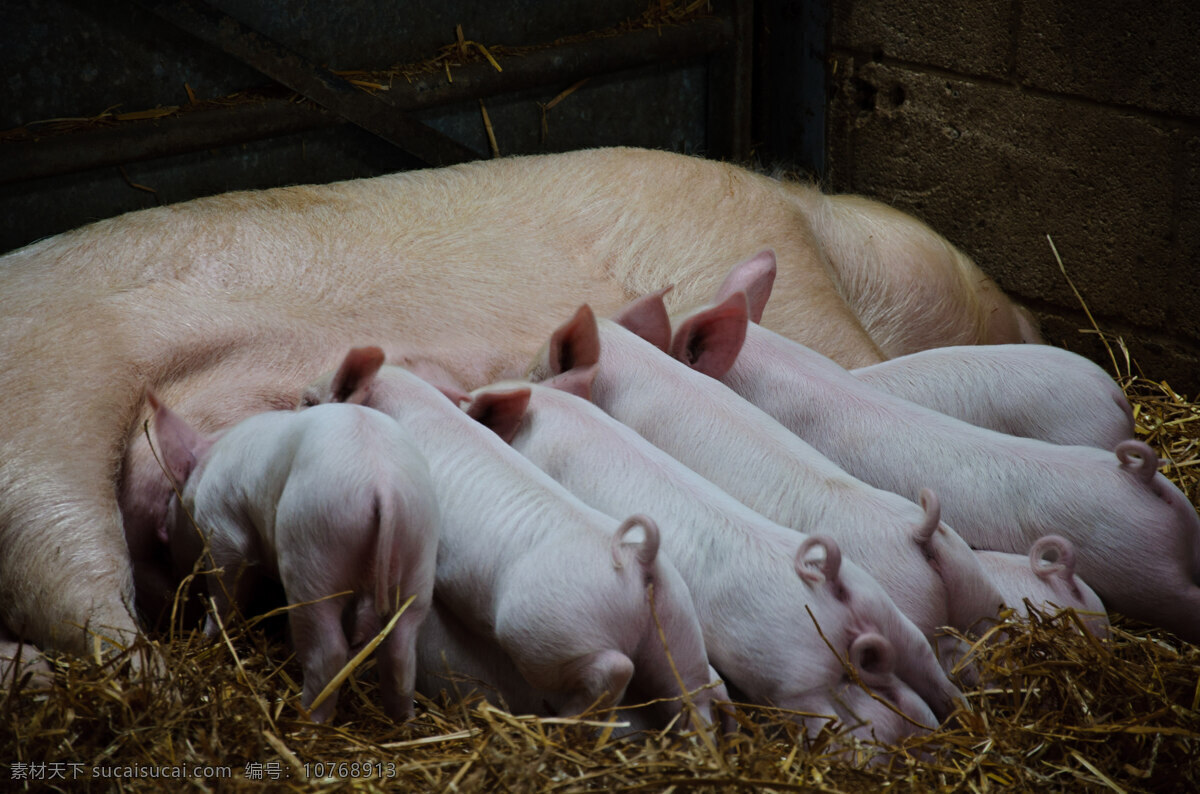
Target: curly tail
x,y
933,517
874,656
1053,555
825,569
1138,457
647,553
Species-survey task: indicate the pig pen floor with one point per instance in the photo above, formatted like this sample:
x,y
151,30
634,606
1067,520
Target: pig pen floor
x,y
1060,711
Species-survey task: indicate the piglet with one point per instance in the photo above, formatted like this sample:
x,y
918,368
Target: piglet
x,y
560,588
1046,579
1137,538
337,505
768,598
927,569
1034,391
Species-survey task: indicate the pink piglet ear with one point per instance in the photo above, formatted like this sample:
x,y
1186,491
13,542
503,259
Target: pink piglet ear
x,y
647,317
755,277
352,383
575,343
180,447
502,411
709,340
577,381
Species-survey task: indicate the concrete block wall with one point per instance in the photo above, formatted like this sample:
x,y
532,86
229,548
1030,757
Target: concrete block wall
x,y
1000,122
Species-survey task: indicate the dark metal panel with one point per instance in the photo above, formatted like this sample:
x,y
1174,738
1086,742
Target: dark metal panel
x,y
238,123
317,83
729,86
375,34
83,57
790,84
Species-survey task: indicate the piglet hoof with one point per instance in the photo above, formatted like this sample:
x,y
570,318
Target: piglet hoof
x,y
212,629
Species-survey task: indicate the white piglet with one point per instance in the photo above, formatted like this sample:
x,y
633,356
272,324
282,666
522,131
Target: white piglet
x,y
927,569
1136,536
558,586
768,598
337,505
1035,391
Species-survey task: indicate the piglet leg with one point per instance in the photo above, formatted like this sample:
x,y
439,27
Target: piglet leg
x,y
397,663
321,646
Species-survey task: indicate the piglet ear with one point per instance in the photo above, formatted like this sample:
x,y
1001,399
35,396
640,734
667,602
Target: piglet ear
x,y
577,381
575,343
180,447
755,277
647,317
353,380
502,411
709,340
